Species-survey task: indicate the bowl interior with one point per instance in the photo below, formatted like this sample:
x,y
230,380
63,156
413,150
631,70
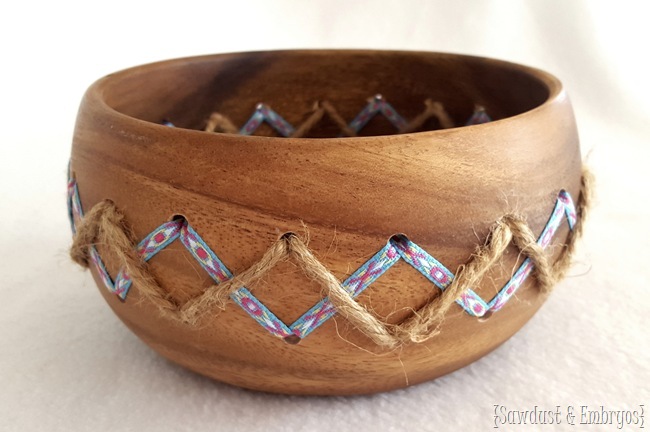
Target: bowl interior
x,y
187,91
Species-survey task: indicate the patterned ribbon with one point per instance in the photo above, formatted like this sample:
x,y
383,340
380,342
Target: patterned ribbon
x,y
376,105
398,247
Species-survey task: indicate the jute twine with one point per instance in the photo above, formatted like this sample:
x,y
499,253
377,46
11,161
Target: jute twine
x,y
218,122
105,225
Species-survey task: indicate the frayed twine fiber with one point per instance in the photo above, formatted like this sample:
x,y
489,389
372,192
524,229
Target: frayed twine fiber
x,y
104,224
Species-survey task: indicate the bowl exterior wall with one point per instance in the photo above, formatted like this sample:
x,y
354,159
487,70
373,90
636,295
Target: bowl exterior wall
x,y
442,189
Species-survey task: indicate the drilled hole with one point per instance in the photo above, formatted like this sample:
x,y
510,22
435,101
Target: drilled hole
x,y
398,238
178,217
288,235
292,339
486,316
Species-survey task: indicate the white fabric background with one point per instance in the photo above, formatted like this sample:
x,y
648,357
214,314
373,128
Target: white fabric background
x,y
67,363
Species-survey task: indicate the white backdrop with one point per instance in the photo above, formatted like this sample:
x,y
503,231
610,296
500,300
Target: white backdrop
x,y
66,363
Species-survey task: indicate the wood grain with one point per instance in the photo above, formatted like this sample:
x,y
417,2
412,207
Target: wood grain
x,y
442,188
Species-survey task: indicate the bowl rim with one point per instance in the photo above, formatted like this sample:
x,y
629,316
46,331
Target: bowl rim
x,y
96,93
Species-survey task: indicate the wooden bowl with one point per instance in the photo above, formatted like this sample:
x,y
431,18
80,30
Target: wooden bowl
x,y
441,189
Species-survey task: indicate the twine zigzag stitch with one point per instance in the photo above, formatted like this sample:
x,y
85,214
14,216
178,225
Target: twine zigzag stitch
x,y
104,218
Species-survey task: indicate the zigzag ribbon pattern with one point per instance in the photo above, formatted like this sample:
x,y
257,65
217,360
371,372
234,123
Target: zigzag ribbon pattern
x,y
263,113
376,105
398,247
